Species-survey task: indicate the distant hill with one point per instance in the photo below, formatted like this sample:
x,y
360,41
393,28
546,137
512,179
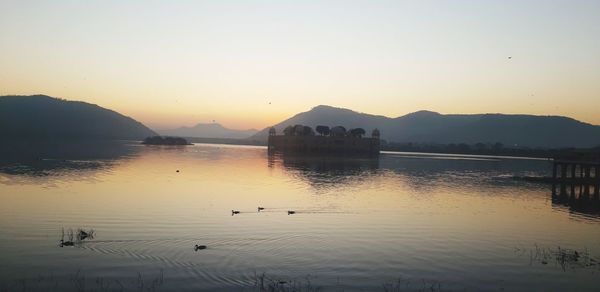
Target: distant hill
x,y
45,117
212,130
432,127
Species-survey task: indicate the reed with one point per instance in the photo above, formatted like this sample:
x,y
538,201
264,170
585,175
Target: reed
x,y
564,258
264,283
79,282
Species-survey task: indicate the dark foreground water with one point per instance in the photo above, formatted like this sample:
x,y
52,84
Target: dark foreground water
x,y
428,222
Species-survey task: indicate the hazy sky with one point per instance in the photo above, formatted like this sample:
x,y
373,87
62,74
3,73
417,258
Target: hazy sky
x,y
173,63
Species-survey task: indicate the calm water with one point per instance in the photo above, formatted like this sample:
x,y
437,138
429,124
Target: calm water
x,y
453,222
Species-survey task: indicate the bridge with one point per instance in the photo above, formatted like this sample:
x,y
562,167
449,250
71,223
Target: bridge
x,y
577,174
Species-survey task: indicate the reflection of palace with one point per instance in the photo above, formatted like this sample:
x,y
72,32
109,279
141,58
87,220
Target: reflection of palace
x,y
325,170
329,165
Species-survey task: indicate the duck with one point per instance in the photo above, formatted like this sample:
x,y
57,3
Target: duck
x,y
199,247
83,235
291,212
234,212
66,243
260,209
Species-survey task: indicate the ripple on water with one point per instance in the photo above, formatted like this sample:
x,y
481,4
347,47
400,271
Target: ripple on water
x,y
448,219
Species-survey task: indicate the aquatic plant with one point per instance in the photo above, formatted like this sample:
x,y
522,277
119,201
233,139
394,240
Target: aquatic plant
x,y
80,282
561,257
264,283
424,285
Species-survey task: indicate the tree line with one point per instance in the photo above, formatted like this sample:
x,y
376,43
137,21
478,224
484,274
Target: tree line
x,y
337,131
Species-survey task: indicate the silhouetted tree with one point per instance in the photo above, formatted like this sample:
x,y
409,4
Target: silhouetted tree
x,y
338,131
480,146
298,130
358,132
288,131
498,146
463,147
375,133
323,130
308,131
158,140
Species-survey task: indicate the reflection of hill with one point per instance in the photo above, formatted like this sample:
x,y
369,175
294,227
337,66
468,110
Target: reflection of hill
x,y
440,163
428,169
52,157
417,171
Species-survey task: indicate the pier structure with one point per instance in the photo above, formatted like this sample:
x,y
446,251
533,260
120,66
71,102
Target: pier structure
x,y
577,175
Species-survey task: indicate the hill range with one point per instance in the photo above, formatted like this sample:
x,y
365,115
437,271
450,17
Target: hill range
x,y
44,117
432,127
210,130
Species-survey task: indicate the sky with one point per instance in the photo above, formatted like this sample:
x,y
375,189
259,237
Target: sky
x,y
251,64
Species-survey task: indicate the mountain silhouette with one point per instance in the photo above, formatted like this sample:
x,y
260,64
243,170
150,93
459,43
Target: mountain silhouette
x,y
211,130
432,127
45,117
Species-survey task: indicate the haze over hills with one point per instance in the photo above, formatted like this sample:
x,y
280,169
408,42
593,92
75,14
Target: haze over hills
x,y
432,127
211,130
45,117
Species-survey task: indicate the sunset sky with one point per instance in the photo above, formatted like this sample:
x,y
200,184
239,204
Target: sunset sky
x,y
250,64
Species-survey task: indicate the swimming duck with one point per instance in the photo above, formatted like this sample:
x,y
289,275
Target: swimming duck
x,y
234,212
260,209
83,235
198,247
66,243
291,212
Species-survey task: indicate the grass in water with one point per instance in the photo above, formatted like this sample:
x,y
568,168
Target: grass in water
x,y
563,257
79,282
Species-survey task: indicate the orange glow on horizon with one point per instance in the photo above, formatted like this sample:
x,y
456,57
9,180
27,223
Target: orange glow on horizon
x,y
179,64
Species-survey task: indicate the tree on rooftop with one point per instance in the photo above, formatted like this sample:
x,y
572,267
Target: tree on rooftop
x,y
288,131
338,131
308,131
323,130
358,132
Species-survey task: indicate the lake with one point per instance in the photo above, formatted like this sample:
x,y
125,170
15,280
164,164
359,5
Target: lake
x,y
403,222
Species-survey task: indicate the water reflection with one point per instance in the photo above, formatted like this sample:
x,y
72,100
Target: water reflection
x,y
423,164
420,171
361,221
429,172
53,158
577,198
325,172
